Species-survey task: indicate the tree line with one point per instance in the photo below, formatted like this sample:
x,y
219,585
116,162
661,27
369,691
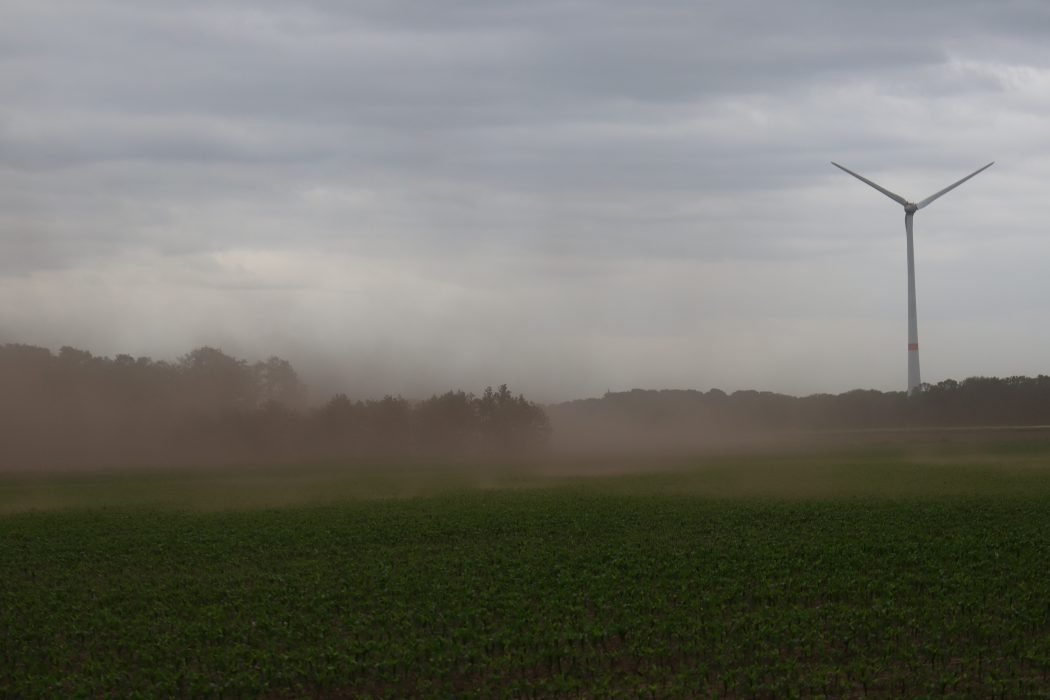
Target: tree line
x,y
72,408
977,401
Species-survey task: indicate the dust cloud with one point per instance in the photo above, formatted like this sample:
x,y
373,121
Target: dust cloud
x,y
73,410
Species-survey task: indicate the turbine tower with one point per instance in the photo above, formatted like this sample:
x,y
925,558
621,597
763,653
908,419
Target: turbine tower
x,y
909,212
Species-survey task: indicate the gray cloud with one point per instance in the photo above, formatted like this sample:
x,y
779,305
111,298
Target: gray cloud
x,y
578,196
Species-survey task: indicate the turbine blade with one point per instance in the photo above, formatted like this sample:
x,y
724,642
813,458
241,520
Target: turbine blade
x,y
892,195
949,188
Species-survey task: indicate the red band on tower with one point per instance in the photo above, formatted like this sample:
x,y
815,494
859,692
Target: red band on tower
x,y
913,346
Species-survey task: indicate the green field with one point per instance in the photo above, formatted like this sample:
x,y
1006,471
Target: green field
x,y
884,573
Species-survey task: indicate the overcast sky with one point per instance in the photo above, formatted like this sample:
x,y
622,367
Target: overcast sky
x,y
567,196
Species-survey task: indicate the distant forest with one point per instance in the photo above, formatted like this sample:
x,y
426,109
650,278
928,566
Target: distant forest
x,y
74,409
977,401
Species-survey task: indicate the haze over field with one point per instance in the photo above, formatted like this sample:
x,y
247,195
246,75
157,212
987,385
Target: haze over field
x,y
407,197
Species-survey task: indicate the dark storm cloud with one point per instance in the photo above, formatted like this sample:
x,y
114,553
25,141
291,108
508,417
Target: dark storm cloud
x,y
404,66
403,87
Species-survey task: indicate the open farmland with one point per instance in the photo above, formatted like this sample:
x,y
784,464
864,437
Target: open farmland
x,y
880,573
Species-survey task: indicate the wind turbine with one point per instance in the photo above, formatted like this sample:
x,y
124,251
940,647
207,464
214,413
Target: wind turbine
x,y
909,212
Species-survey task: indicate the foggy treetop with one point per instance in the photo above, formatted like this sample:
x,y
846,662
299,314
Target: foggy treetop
x,y
75,409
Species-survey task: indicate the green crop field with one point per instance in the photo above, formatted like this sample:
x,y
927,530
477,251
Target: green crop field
x,y
886,573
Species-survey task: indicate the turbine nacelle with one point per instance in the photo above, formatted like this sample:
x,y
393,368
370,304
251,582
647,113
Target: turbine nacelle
x,y
911,208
